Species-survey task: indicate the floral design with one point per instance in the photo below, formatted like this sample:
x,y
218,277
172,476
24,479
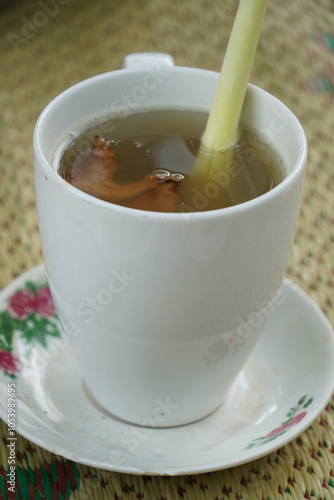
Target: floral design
x,y
295,415
44,303
21,304
31,314
9,362
24,302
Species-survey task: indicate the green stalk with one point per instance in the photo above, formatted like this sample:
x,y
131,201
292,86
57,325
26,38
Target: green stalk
x,y
220,136
222,126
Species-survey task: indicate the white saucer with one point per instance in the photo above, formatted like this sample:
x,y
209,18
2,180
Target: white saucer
x,y
285,385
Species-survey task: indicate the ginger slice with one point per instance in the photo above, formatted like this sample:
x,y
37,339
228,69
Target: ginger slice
x,y
95,177
163,198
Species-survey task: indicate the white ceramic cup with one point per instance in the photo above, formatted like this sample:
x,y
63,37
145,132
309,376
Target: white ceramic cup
x,y
162,310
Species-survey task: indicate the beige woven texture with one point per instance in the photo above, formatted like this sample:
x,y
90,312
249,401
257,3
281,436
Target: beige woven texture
x,y
295,62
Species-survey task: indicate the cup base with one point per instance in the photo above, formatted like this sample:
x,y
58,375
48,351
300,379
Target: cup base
x,y
149,423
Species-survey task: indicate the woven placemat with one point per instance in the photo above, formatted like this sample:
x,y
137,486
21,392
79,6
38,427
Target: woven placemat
x,y
48,45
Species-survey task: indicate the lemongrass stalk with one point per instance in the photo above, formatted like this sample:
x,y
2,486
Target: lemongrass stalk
x,y
216,153
222,126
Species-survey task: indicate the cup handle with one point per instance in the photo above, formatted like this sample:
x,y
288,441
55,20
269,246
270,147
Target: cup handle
x,y
147,60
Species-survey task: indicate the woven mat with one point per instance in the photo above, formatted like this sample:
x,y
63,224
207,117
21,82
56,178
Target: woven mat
x,y
43,54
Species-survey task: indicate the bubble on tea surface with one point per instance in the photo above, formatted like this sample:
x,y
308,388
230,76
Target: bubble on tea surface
x,y
165,175
161,174
177,177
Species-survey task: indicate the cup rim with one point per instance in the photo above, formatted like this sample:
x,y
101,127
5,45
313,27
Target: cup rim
x,y
283,186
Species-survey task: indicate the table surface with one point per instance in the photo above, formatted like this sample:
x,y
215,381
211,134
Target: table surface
x,y
47,46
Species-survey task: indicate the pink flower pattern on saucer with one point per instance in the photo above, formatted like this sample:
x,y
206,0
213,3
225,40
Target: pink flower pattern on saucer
x,y
24,302
31,314
9,362
295,415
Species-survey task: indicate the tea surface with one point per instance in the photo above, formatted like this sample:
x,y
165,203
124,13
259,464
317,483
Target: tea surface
x,y
143,160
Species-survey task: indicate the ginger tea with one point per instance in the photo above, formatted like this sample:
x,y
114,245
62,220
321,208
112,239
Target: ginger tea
x,y
145,159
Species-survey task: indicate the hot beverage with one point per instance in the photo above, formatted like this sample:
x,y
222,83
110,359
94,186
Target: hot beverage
x,y
143,161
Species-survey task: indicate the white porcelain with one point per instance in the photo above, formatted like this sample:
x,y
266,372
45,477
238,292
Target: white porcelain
x,y
147,59
146,298
291,371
